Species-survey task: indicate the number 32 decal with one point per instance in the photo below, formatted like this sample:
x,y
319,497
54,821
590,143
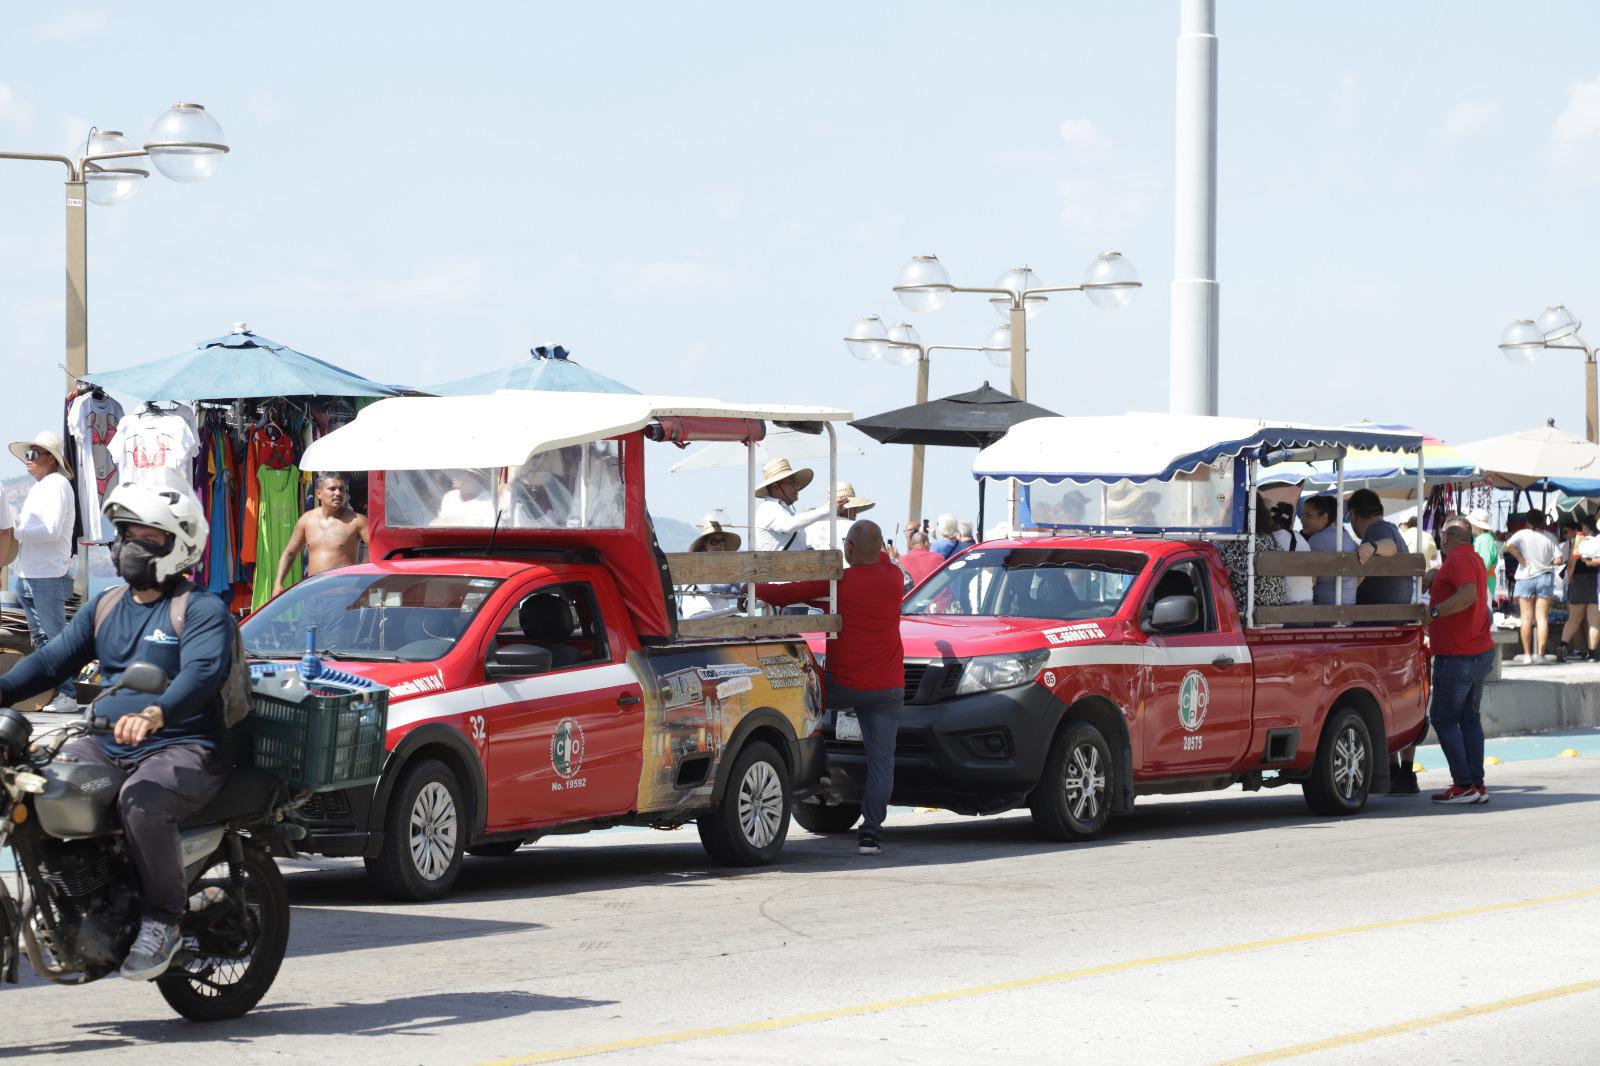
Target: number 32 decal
x,y
478,727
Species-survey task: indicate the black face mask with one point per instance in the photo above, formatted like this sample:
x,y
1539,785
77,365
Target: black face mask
x,y
136,563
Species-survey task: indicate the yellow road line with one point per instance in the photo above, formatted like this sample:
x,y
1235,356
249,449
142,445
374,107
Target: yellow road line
x,y
1413,1025
787,1021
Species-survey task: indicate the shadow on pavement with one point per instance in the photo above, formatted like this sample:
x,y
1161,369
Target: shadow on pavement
x,y
329,930
418,1015
677,859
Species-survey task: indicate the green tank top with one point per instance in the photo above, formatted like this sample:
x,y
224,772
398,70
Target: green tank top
x,y
280,510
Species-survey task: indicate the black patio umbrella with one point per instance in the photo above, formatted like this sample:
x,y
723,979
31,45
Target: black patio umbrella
x,y
973,419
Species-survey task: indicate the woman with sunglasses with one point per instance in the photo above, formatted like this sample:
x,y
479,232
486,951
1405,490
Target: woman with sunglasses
x,y
44,547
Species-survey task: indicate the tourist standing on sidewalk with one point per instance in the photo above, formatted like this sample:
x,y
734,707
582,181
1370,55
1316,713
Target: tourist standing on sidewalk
x,y
1486,544
865,664
44,548
1463,658
1535,553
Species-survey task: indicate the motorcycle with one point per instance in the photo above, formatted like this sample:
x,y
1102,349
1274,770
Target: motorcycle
x,y
77,909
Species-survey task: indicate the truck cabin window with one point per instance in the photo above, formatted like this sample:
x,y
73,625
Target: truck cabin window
x,y
1056,583
577,487
561,618
369,617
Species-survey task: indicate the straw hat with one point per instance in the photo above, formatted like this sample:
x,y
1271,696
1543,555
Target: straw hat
x,y
50,442
1126,499
776,470
1479,519
846,494
711,529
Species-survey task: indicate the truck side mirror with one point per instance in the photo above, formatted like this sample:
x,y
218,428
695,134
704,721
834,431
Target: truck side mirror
x,y
517,660
144,677
1174,612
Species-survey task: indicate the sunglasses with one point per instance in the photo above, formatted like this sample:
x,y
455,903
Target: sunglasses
x,y
34,454
719,541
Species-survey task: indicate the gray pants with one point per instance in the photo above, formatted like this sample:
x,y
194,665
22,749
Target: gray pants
x,y
878,711
161,790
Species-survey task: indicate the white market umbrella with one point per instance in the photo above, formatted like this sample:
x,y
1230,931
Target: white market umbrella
x,y
1532,457
780,443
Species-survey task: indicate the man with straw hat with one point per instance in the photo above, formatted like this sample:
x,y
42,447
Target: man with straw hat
x,y
1485,543
779,528
44,547
850,505
711,601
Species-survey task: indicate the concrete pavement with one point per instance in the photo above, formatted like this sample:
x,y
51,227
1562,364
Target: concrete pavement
x,y
1201,929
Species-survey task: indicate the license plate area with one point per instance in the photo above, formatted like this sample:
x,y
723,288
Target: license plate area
x,y
846,726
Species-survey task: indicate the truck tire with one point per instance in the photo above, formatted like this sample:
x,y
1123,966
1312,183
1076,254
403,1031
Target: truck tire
x,y
1073,798
423,833
749,825
822,820
1341,775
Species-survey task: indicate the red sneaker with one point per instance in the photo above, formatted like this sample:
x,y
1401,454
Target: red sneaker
x,y
1457,794
1483,794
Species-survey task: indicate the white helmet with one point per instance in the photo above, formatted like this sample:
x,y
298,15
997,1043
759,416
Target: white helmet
x,y
174,510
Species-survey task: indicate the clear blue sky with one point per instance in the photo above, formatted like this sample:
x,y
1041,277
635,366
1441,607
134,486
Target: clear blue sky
x,y
698,198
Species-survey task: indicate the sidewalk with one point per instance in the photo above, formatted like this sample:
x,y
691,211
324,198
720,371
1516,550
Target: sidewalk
x,y
1537,699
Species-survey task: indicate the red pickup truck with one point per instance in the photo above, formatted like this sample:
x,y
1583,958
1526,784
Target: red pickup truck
x,y
1071,674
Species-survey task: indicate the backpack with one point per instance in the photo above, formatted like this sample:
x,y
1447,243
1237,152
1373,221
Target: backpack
x,y
235,687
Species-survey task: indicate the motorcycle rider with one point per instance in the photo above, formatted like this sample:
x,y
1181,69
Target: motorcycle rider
x,y
170,745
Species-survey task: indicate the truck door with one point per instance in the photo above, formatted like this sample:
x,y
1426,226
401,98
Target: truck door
x,y
1197,717
566,745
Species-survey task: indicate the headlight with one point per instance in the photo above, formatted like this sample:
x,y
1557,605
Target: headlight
x,y
989,672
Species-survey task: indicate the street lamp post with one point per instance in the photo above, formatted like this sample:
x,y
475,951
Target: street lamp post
x,y
900,345
1524,339
924,285
185,144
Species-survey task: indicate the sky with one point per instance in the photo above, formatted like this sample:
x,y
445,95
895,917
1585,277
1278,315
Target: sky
x,y
699,198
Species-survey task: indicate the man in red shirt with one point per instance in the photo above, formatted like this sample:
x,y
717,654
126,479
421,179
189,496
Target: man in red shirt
x,y
1463,658
865,663
918,561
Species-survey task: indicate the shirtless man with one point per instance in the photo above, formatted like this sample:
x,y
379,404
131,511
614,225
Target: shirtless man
x,y
331,533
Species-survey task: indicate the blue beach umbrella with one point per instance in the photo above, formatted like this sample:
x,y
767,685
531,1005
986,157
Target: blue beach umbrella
x,y
550,369
237,365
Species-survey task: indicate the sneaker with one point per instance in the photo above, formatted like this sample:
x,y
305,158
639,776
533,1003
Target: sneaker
x,y
1550,659
1523,660
62,704
152,951
1483,794
1457,794
1403,782
867,844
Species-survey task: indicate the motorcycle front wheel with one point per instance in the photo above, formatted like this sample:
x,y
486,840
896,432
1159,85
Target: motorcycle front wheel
x,y
232,946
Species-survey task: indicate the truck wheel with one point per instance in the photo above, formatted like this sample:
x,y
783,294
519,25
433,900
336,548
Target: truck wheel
x,y
422,834
749,825
1073,797
821,819
1341,776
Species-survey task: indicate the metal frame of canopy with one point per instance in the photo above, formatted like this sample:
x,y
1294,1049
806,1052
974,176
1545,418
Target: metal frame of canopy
x,y
1134,448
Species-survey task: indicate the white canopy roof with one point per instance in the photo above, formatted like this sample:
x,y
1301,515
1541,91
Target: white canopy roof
x,y
1144,446
1518,460
506,427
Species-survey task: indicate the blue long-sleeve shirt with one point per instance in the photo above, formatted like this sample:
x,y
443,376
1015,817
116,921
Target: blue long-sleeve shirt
x,y
197,664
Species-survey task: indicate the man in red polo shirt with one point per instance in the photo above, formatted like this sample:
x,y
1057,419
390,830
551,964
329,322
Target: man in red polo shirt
x,y
918,561
1463,657
866,669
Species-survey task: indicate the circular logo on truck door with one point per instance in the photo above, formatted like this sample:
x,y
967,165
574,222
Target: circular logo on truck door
x,y
566,747
1194,699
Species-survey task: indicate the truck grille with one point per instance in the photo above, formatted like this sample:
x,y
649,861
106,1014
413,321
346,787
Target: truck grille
x,y
941,685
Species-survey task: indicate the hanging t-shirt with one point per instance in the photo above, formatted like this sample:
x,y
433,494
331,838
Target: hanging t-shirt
x,y
92,421
280,510
157,447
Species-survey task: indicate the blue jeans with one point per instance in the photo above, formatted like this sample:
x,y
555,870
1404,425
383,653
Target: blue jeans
x,y
1457,693
44,602
878,711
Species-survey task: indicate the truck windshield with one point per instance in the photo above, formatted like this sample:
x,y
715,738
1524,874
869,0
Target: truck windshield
x,y
371,617
1030,583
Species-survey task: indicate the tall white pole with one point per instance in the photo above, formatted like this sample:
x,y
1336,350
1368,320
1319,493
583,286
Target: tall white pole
x,y
1193,375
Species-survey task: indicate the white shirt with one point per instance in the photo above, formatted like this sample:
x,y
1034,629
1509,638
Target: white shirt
x,y
708,601
1539,552
44,528
156,449
1295,589
1420,540
817,534
780,529
93,424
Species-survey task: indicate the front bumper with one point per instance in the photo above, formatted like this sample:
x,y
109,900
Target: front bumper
x,y
971,754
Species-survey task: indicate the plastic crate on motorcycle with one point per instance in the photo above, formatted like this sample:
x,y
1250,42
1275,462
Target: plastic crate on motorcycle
x,y
323,734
